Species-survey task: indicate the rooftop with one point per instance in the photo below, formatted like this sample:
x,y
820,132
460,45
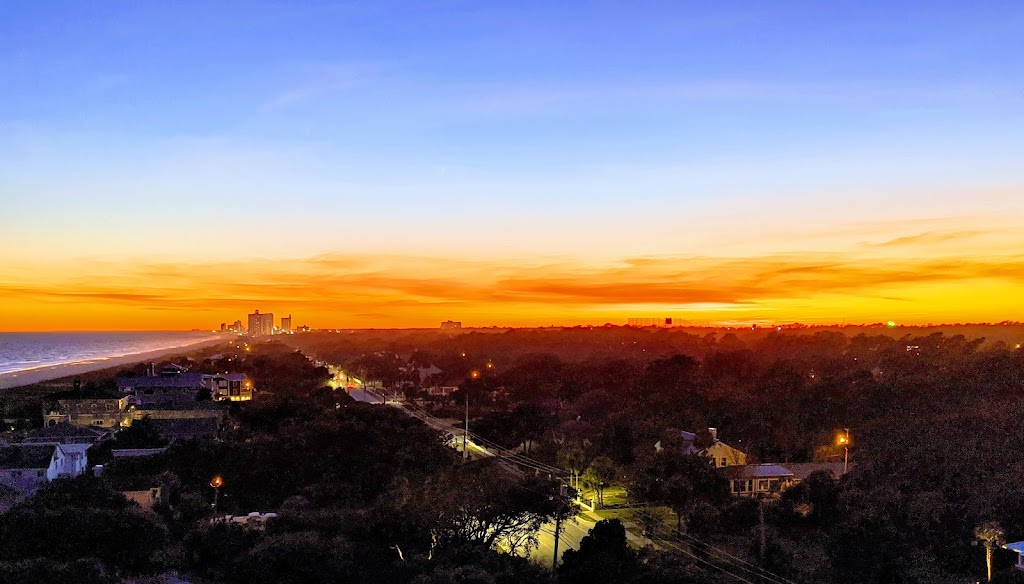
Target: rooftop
x,y
755,471
66,433
34,456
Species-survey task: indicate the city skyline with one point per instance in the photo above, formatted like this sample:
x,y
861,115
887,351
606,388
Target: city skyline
x,y
503,166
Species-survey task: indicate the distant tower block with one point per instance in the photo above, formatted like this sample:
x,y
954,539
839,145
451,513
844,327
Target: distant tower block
x,y
451,325
261,324
286,324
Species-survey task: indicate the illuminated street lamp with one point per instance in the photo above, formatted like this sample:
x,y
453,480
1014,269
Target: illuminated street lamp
x,y
216,482
844,441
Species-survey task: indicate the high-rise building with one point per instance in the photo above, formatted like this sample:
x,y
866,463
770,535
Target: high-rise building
x,y
223,327
286,324
261,324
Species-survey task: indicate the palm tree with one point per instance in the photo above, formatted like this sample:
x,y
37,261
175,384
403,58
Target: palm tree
x,y
989,534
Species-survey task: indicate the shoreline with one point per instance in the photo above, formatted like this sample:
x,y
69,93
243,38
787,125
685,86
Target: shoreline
x,y
45,373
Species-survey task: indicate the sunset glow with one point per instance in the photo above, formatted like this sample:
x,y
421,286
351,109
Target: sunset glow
x,y
450,165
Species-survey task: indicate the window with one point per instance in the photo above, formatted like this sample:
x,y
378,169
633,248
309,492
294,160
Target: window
x,y
724,462
762,485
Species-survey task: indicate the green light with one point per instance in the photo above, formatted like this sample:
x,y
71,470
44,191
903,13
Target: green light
x,y
891,324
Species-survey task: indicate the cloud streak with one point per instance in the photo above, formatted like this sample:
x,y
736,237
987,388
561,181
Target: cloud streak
x,y
405,291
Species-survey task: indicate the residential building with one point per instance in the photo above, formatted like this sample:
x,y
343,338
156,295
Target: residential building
x,y
286,324
146,498
193,411
720,453
229,386
451,325
64,433
769,479
26,467
174,385
1017,546
261,324
254,520
110,412
758,480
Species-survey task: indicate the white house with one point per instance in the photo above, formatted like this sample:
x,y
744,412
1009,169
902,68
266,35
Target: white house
x,y
25,467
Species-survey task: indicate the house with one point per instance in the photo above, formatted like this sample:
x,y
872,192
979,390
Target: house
x,y
720,453
65,433
26,467
254,520
754,480
146,498
1017,546
174,385
441,391
103,412
177,385
229,386
185,411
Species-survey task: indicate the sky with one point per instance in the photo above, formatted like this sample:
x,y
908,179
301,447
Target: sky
x,y
175,165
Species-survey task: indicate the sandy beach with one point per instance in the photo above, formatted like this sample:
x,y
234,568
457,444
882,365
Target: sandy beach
x,y
28,377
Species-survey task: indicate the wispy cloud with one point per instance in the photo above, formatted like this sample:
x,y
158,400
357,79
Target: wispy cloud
x,y
322,80
395,288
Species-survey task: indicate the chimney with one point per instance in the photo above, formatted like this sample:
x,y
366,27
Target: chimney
x,y
714,433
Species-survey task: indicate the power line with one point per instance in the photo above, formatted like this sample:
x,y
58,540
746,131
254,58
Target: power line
x,y
739,563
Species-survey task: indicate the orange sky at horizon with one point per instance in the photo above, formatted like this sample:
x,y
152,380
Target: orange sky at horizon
x,y
944,275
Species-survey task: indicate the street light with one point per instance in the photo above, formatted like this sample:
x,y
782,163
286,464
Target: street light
x,y
844,441
216,482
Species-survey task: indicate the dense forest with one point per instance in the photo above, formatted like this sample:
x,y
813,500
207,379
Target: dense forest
x,y
367,493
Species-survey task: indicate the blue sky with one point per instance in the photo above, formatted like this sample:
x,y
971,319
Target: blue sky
x,y
519,130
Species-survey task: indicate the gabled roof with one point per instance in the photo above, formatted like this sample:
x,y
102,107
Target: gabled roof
x,y
757,471
33,456
66,433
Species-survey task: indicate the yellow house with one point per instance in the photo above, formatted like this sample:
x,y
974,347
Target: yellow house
x,y
720,453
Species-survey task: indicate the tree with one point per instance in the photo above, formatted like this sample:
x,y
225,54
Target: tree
x,y
989,534
678,481
603,557
572,458
599,475
483,503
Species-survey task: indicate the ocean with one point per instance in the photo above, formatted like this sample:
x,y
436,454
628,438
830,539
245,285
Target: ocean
x,y
28,351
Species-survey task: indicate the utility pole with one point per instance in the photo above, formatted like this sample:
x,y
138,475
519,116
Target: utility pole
x,y
762,539
558,523
465,435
